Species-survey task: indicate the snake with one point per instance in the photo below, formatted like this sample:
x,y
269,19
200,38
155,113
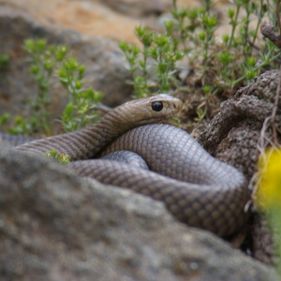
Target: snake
x,y
196,188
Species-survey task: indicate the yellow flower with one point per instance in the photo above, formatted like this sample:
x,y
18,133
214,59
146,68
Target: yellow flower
x,y
268,193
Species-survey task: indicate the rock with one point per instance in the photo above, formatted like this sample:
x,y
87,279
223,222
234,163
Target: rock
x,y
14,140
236,135
56,226
264,248
105,64
139,8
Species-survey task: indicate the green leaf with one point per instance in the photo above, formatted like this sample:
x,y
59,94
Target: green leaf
x,y
60,157
61,52
4,118
225,57
145,35
4,61
68,111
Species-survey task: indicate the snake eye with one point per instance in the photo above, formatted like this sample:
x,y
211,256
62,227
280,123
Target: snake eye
x,y
157,105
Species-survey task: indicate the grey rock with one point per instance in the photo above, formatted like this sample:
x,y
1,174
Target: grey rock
x,y
139,8
263,243
56,226
105,64
236,135
13,140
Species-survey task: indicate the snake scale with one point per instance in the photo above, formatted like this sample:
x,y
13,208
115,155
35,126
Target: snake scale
x,y
194,186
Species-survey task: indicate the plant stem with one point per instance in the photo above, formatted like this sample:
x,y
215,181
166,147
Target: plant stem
x,y
278,17
260,17
207,5
246,32
145,72
234,25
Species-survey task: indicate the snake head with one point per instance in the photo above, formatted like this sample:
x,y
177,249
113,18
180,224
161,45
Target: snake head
x,y
153,109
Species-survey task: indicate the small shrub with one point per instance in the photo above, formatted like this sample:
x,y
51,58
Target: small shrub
x,y
49,63
81,107
225,63
44,61
160,50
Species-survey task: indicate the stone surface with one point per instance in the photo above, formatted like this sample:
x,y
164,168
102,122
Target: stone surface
x,y
95,17
236,135
104,62
263,248
91,18
56,226
111,19
139,8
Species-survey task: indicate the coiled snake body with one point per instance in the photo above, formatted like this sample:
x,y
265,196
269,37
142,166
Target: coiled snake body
x,y
195,187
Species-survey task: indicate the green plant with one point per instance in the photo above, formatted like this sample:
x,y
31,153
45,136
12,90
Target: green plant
x,y
59,157
47,64
17,124
226,63
44,60
4,119
4,62
209,24
81,107
160,50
